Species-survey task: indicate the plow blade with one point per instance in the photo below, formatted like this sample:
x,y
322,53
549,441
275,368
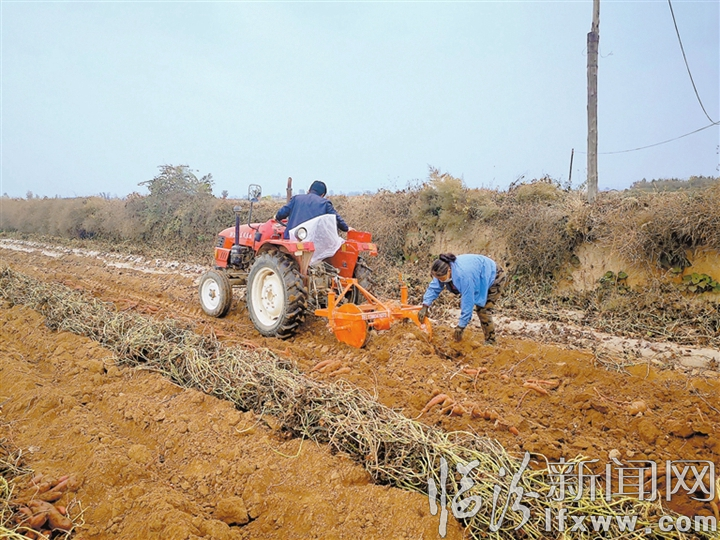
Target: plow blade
x,y
348,327
350,322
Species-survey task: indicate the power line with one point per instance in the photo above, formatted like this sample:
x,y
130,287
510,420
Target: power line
x,y
663,142
659,143
686,63
687,66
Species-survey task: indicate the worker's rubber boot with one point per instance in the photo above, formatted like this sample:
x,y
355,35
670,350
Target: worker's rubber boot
x,y
489,332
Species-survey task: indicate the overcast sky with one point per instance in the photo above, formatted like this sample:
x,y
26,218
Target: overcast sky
x,y
362,95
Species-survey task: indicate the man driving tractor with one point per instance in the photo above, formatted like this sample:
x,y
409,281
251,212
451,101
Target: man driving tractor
x,y
282,283
302,208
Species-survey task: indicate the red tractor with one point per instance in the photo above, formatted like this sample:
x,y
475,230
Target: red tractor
x,y
281,285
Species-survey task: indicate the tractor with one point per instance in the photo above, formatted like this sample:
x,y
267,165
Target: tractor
x,y
282,285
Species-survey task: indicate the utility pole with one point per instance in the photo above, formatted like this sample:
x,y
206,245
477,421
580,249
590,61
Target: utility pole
x,y
593,39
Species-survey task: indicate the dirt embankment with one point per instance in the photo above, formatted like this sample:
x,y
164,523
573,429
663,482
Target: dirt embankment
x,y
590,411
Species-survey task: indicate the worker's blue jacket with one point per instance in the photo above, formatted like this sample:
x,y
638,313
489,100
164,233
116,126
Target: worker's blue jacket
x,y
472,276
301,208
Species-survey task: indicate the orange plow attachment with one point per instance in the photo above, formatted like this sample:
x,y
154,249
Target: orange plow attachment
x,y
350,322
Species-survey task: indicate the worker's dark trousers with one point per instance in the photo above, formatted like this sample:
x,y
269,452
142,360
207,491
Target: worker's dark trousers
x,y
485,313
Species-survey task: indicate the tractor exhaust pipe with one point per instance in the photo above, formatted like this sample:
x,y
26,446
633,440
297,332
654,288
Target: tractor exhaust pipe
x,y
288,192
237,210
254,194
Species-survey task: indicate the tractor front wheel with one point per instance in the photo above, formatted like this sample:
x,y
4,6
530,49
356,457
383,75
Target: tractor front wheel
x,y
215,293
276,297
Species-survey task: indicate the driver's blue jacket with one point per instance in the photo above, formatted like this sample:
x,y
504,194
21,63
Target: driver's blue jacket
x,y
307,206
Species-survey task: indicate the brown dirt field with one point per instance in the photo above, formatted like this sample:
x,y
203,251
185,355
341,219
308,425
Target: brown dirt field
x,y
589,413
158,461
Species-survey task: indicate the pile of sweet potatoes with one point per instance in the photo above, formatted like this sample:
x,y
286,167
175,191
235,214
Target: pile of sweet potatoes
x,y
39,514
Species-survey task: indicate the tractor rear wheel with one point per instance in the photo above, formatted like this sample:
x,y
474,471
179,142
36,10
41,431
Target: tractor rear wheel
x,y
365,278
215,293
276,297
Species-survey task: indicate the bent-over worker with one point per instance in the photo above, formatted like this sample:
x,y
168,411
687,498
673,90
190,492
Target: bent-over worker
x,y
477,279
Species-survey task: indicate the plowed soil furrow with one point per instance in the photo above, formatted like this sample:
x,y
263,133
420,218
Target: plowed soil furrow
x,y
585,408
154,461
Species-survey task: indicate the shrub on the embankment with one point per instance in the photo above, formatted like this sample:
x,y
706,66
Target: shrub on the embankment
x,y
532,228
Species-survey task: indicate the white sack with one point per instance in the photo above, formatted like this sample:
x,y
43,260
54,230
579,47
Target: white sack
x,y
321,231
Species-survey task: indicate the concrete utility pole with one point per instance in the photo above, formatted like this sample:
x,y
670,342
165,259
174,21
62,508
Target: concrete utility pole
x,y
593,39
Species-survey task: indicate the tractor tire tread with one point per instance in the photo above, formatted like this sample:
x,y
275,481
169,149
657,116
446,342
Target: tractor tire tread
x,y
365,278
295,294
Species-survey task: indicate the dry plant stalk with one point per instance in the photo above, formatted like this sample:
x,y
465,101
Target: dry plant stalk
x,y
395,450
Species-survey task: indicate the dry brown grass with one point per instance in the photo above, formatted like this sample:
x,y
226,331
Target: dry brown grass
x,y
661,227
534,229
539,242
540,224
537,192
388,215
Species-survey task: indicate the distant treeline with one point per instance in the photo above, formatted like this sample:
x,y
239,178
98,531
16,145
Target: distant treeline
x,y
533,228
674,184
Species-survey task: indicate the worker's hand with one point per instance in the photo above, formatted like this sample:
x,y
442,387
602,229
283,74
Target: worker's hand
x,y
423,313
350,229
458,333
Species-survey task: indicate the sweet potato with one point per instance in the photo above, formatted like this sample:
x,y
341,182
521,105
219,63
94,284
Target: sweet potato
x,y
550,384
55,519
332,366
513,430
474,371
322,364
62,484
539,389
457,410
73,484
40,506
58,521
51,496
440,398
42,487
23,514
38,520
